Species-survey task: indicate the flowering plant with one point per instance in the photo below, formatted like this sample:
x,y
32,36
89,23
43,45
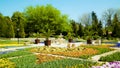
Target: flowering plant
x,y
115,64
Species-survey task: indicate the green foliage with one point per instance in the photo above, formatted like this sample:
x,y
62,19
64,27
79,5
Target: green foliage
x,y
25,61
80,30
67,63
18,20
48,33
14,54
10,28
30,62
42,18
116,27
6,27
101,49
85,56
113,57
70,35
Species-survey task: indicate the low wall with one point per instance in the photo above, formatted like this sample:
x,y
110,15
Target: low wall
x,y
31,39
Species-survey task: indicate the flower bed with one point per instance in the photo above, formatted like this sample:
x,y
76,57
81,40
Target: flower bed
x,y
5,63
115,64
50,62
72,52
83,51
45,58
67,63
100,48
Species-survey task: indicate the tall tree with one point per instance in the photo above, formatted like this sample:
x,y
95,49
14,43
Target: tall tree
x,y
75,27
18,20
100,31
3,26
94,23
116,27
40,17
107,16
80,30
86,21
107,19
9,28
118,14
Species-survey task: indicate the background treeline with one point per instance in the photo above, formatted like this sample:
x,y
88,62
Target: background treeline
x,y
35,21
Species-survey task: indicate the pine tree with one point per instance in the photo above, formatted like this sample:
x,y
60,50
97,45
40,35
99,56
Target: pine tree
x,y
80,31
100,32
94,24
116,27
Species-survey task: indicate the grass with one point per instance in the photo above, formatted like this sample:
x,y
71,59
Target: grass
x,y
15,54
113,57
11,41
67,63
8,42
25,61
30,62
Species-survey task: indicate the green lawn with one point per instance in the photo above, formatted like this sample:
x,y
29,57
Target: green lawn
x,y
112,57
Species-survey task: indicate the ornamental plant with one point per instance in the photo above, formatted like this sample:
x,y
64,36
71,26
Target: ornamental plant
x,y
115,64
45,58
5,63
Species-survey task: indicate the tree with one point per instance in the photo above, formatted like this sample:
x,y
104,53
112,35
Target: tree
x,y
107,20
80,31
40,16
107,16
86,21
18,20
75,27
9,28
2,25
116,27
94,23
118,14
100,31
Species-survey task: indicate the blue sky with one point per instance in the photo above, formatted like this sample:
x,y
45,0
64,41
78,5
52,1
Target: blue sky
x,y
73,8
